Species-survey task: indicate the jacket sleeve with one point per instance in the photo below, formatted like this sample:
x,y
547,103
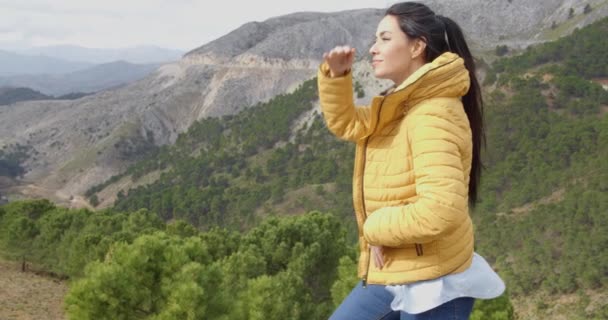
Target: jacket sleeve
x,y
337,104
441,202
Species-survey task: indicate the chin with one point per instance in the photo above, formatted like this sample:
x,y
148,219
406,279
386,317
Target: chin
x,y
379,74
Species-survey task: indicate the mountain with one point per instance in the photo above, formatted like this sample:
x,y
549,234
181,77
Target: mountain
x,y
11,95
76,144
96,78
519,24
137,55
13,64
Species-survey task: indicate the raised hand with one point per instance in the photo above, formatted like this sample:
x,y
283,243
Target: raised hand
x,y
340,60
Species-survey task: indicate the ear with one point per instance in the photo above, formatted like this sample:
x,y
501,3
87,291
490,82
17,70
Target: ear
x,y
418,47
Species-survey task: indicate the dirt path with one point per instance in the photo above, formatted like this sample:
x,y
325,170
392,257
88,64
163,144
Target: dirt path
x,y
27,296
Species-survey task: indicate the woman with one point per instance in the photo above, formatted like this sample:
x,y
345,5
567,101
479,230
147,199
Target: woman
x,y
417,169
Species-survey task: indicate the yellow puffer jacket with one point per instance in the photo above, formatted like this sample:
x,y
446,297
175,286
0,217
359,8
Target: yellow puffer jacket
x,y
411,174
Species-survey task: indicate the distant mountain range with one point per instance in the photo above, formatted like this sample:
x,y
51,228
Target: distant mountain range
x,y
65,59
14,64
92,79
9,95
139,54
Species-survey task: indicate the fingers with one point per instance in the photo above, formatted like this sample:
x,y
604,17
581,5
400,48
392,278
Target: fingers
x,y
339,51
378,261
339,59
375,257
342,50
378,256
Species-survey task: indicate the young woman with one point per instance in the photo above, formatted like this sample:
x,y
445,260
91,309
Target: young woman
x,y
417,169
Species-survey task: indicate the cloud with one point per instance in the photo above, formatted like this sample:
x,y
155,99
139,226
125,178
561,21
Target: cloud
x,y
183,24
38,27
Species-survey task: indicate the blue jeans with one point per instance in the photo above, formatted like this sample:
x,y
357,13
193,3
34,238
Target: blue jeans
x,y
374,303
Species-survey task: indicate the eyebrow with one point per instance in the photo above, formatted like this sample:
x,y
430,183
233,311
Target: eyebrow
x,y
383,32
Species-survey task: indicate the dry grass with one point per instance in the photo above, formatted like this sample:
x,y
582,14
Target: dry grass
x,y
297,202
558,307
555,197
28,296
108,195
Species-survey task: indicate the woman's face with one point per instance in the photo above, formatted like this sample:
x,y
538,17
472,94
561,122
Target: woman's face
x,y
394,55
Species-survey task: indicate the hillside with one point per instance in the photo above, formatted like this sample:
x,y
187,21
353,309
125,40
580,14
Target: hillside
x,y
92,79
11,95
28,295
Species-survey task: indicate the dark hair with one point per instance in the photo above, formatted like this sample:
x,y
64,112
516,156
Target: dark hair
x,y
442,34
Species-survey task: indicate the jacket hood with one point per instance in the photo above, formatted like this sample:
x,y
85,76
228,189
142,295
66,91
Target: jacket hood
x,y
444,77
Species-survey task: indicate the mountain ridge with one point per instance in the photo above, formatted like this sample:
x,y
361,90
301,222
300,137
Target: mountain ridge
x,y
15,64
91,79
144,54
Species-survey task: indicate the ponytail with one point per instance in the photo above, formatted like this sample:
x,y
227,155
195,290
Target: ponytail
x,y
472,101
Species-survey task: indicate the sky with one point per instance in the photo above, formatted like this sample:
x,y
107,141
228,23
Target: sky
x,y
175,24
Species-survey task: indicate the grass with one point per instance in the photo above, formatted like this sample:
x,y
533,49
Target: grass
x,y
87,156
107,195
26,295
576,305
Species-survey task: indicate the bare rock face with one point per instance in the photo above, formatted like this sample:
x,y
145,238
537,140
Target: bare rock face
x,y
79,143
262,59
517,23
294,37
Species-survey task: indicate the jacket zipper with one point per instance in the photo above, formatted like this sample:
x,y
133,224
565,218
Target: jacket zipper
x,y
369,260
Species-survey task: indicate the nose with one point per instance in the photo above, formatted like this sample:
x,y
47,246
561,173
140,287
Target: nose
x,y
373,50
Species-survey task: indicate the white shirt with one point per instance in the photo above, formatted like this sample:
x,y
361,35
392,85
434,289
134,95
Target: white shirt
x,y
478,281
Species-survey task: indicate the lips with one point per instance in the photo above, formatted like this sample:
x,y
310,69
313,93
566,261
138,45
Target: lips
x,y
376,62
